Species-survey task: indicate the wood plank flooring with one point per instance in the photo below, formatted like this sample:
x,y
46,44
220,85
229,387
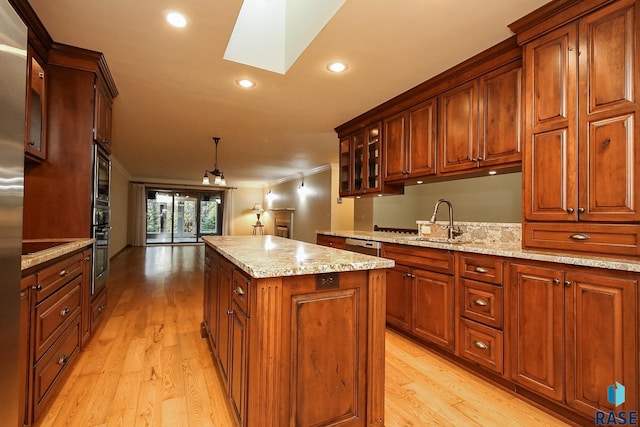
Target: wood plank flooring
x,y
148,366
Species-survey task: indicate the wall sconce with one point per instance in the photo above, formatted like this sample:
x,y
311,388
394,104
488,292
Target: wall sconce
x,y
302,191
269,196
257,209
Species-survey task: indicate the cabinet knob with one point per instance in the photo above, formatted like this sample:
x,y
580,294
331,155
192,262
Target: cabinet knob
x,y
87,258
480,345
473,159
239,291
63,359
37,288
570,210
480,270
63,273
480,302
32,143
65,311
580,210
567,283
556,281
101,308
480,159
229,312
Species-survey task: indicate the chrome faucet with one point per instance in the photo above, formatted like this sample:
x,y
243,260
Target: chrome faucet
x,y
453,231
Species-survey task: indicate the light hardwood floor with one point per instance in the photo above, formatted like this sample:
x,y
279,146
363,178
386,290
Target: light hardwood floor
x,y
148,366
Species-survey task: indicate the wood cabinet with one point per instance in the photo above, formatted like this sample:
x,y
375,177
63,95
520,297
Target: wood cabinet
x,y
85,294
331,241
480,121
52,328
574,333
102,112
420,293
479,282
35,141
361,162
581,157
300,350
410,143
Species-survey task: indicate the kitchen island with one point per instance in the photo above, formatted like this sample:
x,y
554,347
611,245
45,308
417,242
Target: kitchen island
x,y
297,331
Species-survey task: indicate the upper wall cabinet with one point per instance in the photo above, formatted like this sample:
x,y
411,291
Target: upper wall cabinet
x,y
410,147
360,163
35,141
581,160
480,121
102,116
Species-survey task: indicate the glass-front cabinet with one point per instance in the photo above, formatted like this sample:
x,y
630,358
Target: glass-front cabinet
x,y
361,163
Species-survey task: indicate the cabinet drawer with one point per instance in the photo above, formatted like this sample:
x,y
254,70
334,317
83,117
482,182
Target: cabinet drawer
x,y
481,344
57,275
52,365
98,305
241,286
481,302
54,314
331,241
596,238
438,260
481,267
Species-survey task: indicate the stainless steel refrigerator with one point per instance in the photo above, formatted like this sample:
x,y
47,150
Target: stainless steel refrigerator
x,y
13,66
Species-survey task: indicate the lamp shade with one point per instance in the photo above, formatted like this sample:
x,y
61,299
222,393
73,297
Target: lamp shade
x,y
257,208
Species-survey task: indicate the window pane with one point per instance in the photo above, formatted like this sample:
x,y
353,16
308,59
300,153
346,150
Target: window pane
x,y
208,217
184,226
159,217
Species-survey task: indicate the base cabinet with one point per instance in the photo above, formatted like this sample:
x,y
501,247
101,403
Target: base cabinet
x,y
574,334
299,350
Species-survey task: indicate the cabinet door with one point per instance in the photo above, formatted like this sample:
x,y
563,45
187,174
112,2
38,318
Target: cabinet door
x,y
537,332
102,117
608,134
359,162
399,297
85,294
373,151
345,166
24,358
601,329
549,157
395,147
238,371
433,308
422,139
458,137
224,320
500,116
36,108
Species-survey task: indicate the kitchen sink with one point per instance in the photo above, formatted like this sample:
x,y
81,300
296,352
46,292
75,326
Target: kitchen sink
x,y
440,240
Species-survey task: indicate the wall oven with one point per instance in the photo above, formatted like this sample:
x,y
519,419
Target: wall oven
x,y
101,226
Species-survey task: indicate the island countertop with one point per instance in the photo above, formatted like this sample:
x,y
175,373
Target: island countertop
x,y
271,256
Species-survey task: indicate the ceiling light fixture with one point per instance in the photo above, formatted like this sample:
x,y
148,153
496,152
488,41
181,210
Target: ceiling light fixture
x,y
337,67
246,83
218,175
176,19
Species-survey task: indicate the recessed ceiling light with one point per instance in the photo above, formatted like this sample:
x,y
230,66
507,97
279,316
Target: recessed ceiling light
x,y
176,19
246,83
337,67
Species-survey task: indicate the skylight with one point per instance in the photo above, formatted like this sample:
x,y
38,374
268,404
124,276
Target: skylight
x,y
271,34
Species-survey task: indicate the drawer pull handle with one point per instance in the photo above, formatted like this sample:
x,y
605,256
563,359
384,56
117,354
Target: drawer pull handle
x,y
63,359
480,345
480,302
65,311
579,236
229,312
101,308
63,273
481,270
88,258
239,291
37,288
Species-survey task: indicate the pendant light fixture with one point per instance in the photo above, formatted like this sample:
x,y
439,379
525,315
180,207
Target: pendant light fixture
x,y
218,175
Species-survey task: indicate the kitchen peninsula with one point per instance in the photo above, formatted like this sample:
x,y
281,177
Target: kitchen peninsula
x,y
297,331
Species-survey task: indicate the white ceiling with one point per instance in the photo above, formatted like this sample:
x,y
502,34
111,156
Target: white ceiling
x,y
177,91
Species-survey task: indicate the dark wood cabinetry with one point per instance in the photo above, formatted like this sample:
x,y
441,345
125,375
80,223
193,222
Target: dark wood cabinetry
x,y
480,121
581,155
102,115
480,293
292,322
331,241
574,333
420,293
35,141
410,143
53,327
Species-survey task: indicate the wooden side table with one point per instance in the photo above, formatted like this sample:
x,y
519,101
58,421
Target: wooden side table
x,y
258,229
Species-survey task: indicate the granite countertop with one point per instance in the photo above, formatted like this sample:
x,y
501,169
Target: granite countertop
x,y
507,249
60,247
271,256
